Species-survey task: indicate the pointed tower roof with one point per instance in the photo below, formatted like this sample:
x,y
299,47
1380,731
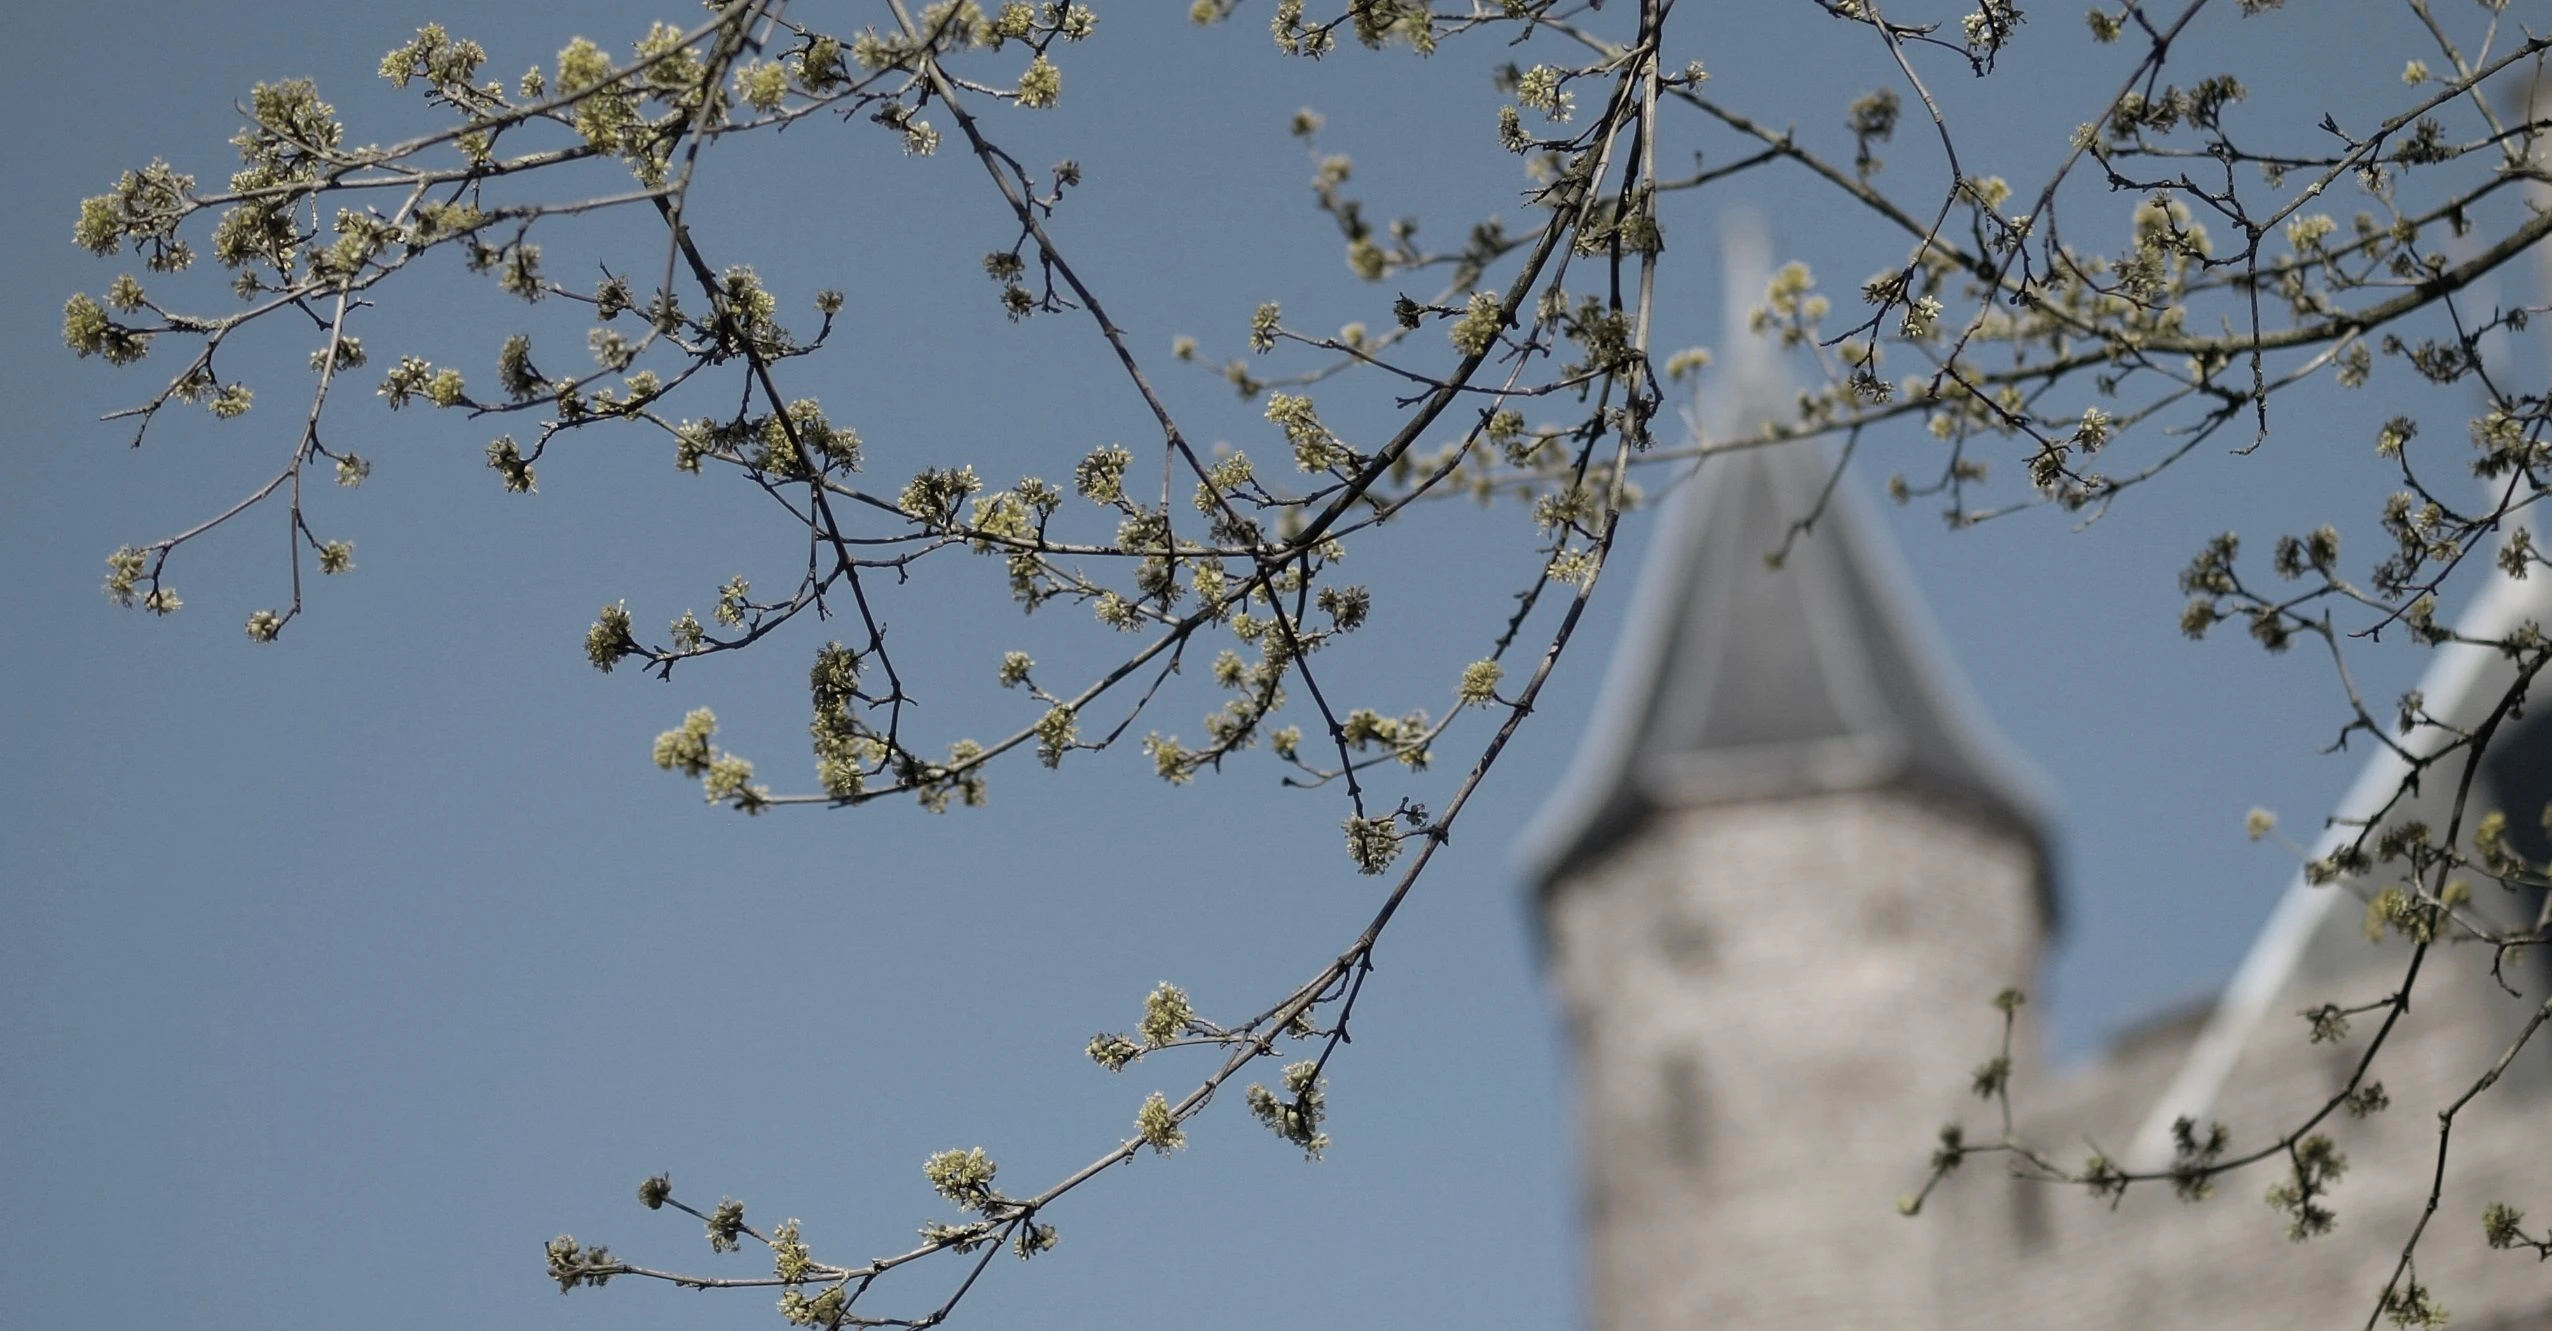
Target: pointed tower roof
x,y
1737,678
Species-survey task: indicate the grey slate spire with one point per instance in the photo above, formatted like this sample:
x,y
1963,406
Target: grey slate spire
x,y
1736,679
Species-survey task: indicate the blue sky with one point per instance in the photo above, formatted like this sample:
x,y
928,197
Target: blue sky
x,y
336,975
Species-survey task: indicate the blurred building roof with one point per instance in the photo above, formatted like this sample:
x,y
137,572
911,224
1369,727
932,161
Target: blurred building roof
x,y
1774,646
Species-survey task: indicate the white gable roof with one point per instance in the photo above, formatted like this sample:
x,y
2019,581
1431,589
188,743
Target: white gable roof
x,y
2308,938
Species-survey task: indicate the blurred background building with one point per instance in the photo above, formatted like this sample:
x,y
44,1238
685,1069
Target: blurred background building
x,y
1793,864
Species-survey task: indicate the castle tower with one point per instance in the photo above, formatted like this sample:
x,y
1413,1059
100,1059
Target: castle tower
x,y
1791,863
1786,873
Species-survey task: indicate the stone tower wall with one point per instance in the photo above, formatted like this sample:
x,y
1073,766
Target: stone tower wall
x,y
1775,1003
